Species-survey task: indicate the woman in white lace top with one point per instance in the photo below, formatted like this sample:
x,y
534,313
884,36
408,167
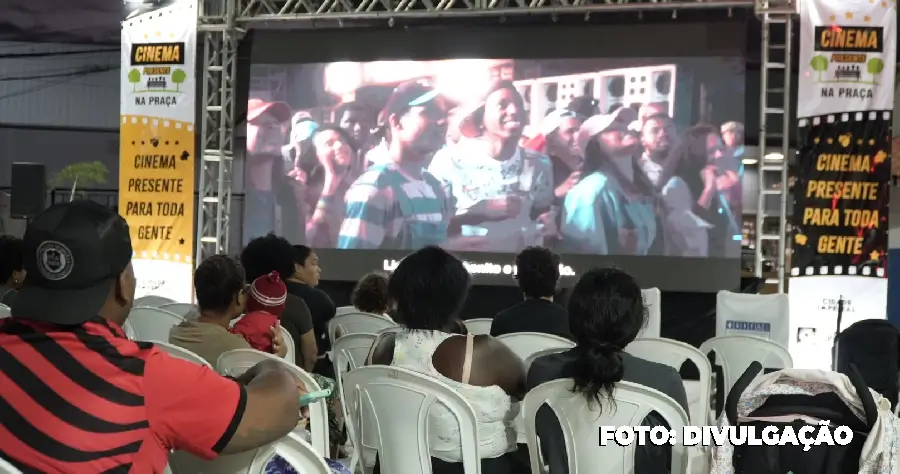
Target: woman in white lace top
x,y
428,289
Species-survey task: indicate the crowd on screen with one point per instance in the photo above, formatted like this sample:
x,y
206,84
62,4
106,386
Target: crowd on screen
x,y
76,395
424,171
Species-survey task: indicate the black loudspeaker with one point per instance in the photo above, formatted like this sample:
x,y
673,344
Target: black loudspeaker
x,y
28,194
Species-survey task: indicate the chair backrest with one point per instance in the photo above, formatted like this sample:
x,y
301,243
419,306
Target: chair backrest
x,y
153,324
525,344
653,303
478,326
354,323
7,468
238,361
581,425
735,353
345,310
393,329
129,330
181,309
350,352
674,354
532,357
4,311
152,301
181,353
399,401
291,353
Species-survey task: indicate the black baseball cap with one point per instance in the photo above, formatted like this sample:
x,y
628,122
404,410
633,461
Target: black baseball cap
x,y
407,95
73,253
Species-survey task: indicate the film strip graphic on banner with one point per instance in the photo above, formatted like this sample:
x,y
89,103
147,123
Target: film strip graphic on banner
x,y
842,195
157,163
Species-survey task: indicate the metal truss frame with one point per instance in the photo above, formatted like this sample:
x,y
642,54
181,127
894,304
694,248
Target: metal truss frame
x,y
222,24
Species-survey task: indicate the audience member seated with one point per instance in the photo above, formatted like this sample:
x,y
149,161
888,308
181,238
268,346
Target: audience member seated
x,y
606,313
264,308
219,285
429,288
370,295
537,275
303,283
12,272
264,255
78,396
269,254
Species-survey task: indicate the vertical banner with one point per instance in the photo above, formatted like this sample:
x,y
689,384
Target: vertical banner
x,y
841,197
156,151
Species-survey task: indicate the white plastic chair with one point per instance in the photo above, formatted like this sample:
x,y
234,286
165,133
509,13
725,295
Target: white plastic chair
x,y
764,316
152,301
736,353
181,353
478,326
399,401
181,309
129,330
354,323
532,357
525,344
653,303
4,311
392,329
7,468
581,425
291,354
345,310
153,324
238,361
350,352
674,354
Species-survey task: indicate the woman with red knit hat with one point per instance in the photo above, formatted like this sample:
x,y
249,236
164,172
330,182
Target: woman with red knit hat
x,y
265,304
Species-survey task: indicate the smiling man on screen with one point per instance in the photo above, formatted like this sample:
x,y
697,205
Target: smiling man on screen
x,y
77,396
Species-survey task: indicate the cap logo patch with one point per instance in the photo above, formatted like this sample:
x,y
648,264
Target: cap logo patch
x,y
54,260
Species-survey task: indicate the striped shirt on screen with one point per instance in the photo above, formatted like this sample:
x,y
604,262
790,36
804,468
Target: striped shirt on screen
x,y
87,400
388,209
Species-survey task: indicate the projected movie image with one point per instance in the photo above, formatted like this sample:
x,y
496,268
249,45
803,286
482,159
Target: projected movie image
x,y
585,156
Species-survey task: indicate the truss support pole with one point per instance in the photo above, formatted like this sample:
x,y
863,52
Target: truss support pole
x,y
774,133
220,43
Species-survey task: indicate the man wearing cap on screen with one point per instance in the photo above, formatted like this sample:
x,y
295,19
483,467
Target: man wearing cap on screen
x,y
267,185
612,210
399,205
77,396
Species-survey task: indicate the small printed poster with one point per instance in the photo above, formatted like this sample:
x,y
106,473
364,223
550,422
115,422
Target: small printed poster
x,y
848,51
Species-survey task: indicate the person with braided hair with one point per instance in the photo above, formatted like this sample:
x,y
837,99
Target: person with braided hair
x,y
606,312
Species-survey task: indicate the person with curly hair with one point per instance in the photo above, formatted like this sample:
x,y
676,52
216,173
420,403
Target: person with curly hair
x,y
371,295
537,273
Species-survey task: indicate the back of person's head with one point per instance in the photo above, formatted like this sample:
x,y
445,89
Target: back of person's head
x,y
267,293
429,287
264,255
370,295
537,272
219,284
606,312
11,262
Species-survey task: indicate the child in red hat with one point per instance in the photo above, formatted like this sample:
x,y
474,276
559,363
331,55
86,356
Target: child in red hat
x,y
264,307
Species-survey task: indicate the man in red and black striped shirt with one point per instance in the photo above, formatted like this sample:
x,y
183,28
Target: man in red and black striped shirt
x,y
76,396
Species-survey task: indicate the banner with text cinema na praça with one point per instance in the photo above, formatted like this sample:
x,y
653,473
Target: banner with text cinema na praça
x,y
156,165
841,195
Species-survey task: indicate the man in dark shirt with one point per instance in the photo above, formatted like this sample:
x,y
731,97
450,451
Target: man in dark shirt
x,y
537,272
303,284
